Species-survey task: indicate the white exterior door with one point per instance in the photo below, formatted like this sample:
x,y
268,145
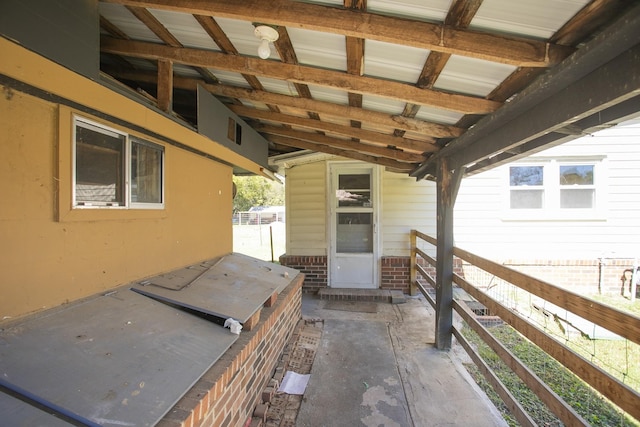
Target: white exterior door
x,y
353,215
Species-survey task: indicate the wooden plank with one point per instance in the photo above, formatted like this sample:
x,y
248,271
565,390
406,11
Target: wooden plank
x,y
235,287
414,147
623,324
427,238
300,74
118,359
426,276
435,130
412,264
426,294
623,396
512,404
550,398
426,256
178,279
379,150
351,154
501,48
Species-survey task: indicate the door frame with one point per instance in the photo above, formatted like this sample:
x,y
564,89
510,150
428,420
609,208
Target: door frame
x,y
332,168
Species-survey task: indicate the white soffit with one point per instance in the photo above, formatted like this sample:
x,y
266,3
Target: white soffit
x,y
534,18
318,49
472,76
393,62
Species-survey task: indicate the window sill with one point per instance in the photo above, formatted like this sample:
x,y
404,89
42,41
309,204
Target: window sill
x,y
542,215
109,213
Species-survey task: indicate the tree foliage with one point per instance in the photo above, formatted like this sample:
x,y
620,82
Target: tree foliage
x,y
256,191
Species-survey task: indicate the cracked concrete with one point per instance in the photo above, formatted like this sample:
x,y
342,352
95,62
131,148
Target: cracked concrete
x,y
381,369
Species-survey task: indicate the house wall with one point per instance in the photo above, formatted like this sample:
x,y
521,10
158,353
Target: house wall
x,y
51,253
405,204
582,253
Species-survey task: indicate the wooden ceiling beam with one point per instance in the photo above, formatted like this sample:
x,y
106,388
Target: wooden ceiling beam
x,y
460,15
350,154
587,21
355,57
435,130
165,35
165,85
288,55
301,74
518,51
347,131
375,150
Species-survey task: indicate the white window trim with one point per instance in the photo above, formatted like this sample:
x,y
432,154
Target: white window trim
x,y
551,210
128,204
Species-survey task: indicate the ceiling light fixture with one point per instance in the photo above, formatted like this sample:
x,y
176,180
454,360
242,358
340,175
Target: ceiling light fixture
x,y
267,35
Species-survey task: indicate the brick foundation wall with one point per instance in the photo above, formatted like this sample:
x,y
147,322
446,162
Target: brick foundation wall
x,y
228,393
313,267
395,273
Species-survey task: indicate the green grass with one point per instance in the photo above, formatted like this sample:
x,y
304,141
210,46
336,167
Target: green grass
x,y
255,240
590,405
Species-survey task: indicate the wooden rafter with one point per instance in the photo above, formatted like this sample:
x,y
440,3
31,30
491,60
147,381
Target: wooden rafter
x,y
355,57
516,51
288,55
434,130
375,150
362,134
460,15
300,74
350,154
165,35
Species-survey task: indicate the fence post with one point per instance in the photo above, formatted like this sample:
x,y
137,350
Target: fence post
x,y
412,265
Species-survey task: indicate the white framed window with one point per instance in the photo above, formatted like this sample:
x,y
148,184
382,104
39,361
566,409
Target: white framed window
x,y
564,188
112,169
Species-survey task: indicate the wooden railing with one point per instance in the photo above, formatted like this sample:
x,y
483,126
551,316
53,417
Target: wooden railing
x,y
614,320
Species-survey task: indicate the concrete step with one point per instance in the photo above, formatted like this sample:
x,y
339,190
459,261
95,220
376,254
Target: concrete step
x,y
348,294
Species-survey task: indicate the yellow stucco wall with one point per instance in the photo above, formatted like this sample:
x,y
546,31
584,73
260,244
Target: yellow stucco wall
x,y
50,253
46,261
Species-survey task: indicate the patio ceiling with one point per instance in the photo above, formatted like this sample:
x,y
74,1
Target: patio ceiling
x,y
395,83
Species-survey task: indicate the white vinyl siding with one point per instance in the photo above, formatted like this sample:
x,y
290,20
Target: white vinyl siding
x,y
306,209
406,204
481,224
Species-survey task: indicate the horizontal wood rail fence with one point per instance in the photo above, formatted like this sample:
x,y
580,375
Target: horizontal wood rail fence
x,y
625,325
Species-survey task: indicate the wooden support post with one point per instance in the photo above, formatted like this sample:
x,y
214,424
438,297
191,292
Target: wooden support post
x,y
447,186
165,85
413,290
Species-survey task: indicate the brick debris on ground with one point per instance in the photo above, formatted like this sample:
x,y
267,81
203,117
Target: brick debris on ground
x,y
281,409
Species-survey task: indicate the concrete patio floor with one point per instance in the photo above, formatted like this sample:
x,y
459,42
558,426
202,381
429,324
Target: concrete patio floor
x,y
381,369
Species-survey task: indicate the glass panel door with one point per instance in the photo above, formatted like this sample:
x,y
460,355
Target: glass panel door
x,y
353,227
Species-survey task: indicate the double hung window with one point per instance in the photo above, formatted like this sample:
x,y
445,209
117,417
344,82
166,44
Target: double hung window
x,y
114,169
556,187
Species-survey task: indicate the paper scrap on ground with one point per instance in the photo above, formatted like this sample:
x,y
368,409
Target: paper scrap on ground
x,y
294,383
